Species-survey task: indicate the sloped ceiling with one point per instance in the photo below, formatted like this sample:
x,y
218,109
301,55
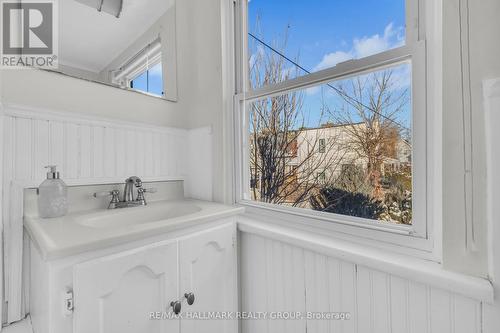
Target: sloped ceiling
x,y
90,40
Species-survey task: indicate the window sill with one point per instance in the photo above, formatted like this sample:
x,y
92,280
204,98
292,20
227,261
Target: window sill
x,y
415,269
333,218
394,238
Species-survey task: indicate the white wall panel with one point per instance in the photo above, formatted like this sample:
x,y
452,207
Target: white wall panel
x,y
272,277
89,150
440,311
418,300
57,147
110,158
40,147
276,276
98,150
72,141
22,152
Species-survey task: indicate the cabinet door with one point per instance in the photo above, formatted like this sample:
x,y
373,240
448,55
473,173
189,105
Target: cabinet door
x,y
118,293
208,270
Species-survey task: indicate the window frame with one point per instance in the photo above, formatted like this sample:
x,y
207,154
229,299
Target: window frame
x,y
419,235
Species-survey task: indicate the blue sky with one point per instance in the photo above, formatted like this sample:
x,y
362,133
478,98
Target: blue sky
x,y
322,33
150,81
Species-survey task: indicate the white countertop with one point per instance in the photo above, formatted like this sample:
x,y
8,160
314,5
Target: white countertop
x,y
80,232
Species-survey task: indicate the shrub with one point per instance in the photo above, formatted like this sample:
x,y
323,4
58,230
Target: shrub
x,y
339,201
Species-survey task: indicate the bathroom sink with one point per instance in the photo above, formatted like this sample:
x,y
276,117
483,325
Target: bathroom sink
x,y
117,218
91,230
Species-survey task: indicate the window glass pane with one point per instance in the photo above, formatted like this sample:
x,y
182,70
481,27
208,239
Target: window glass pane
x,y
297,37
156,80
140,82
342,147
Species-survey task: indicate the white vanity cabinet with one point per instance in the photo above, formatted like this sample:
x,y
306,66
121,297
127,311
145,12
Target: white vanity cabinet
x,y
118,292
208,270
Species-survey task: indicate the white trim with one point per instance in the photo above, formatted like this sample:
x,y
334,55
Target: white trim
x,y
2,254
433,32
228,71
342,70
385,238
417,270
79,67
143,67
420,236
145,59
357,222
15,252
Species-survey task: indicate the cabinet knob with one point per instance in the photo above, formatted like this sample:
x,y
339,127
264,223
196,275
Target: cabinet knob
x,y
176,307
190,298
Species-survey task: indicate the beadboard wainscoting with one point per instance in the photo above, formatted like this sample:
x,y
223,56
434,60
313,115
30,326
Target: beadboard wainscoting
x,y
86,150
278,276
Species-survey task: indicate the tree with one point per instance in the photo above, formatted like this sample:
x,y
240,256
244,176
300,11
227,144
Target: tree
x,y
374,101
278,136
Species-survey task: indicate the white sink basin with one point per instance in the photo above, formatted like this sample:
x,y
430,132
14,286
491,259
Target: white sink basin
x,y
122,217
91,230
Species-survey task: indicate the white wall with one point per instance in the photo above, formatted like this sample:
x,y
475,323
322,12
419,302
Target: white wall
x,y
462,212
469,57
481,63
200,82
485,65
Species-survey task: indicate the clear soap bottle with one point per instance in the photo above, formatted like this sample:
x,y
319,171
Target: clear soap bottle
x,y
52,195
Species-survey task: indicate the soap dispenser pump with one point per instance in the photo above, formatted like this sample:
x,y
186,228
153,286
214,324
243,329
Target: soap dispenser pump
x,y
52,195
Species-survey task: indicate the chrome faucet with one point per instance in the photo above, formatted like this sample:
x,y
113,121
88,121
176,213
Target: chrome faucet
x,y
128,194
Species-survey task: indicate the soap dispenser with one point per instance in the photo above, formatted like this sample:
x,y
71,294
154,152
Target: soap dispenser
x,y
52,195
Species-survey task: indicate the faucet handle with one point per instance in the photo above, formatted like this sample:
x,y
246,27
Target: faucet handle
x,y
140,194
114,197
113,193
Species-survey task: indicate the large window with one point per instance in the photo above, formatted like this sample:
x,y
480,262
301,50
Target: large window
x,y
343,83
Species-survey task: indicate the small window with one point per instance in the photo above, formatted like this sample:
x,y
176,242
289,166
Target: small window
x,y
321,146
143,71
149,81
321,177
